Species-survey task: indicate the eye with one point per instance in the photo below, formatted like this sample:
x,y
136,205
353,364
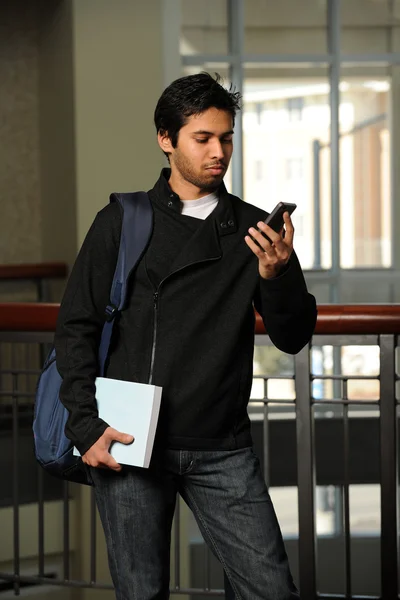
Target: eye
x,y
201,140
226,141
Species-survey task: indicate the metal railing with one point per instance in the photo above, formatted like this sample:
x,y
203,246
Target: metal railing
x,y
24,328
38,273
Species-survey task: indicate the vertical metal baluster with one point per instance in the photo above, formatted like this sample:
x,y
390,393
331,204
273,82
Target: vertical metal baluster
x,y
24,364
266,433
66,530
346,494
388,468
207,581
3,378
92,536
177,546
397,433
15,480
337,394
40,480
305,474
40,521
317,202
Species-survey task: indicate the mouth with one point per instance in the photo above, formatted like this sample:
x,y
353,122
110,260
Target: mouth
x,y
216,169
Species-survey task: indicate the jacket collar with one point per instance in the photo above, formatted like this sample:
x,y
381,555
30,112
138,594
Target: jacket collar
x,y
204,245
223,214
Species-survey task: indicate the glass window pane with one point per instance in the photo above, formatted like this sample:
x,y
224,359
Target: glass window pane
x,y
325,510
282,117
365,171
364,544
204,27
285,27
285,501
212,68
322,362
369,26
281,389
360,360
365,510
270,368
270,362
365,527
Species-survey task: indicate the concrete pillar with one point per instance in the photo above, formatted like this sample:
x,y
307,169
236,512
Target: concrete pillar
x,y
57,131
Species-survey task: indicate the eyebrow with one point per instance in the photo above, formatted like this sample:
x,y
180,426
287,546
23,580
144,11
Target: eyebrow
x,y
203,132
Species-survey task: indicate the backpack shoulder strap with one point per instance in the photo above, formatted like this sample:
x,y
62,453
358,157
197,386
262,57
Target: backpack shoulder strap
x,y
137,226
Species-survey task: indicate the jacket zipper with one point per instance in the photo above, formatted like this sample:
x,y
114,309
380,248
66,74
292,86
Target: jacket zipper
x,y
153,348
155,306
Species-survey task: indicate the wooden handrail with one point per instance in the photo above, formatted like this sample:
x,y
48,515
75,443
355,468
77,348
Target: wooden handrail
x,y
350,319
28,316
332,318
47,270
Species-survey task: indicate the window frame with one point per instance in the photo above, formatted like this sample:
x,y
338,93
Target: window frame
x,y
236,59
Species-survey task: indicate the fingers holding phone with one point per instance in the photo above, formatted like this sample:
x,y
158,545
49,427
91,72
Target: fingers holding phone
x,y
272,246
274,238
288,230
276,220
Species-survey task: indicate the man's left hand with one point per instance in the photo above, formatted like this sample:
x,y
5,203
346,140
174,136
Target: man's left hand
x,y
271,257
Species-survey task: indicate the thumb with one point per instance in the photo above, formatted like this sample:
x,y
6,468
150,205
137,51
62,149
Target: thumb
x,y
124,438
113,435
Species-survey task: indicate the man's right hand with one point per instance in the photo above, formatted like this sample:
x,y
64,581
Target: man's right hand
x,y
98,455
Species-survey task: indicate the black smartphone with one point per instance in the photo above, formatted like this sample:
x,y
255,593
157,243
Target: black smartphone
x,y
275,218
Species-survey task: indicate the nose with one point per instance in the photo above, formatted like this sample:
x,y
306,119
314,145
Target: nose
x,y
217,150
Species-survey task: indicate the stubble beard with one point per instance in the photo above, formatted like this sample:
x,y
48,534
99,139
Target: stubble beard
x,y
206,182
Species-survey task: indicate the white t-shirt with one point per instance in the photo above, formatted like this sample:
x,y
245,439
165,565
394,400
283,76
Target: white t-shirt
x,y
200,208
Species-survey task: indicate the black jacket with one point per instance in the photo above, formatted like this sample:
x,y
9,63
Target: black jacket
x,y
189,323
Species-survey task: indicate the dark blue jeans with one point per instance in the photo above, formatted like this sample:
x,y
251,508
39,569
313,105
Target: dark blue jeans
x,y
227,494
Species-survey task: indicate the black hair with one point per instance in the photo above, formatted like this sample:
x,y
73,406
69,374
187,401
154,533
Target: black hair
x,y
192,95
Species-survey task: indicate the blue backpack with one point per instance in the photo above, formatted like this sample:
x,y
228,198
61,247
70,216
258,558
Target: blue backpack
x,y
53,450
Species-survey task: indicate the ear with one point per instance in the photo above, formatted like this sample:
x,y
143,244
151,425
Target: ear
x,y
164,142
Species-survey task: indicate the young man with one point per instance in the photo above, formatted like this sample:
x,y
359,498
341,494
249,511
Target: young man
x,y
198,282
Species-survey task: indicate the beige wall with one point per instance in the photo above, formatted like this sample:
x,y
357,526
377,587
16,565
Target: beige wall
x,y
118,79
100,78
79,83
20,238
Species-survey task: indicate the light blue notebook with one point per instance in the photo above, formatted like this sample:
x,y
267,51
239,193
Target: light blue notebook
x,y
130,408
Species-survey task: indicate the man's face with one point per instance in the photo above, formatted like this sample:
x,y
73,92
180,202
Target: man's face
x,y
204,149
